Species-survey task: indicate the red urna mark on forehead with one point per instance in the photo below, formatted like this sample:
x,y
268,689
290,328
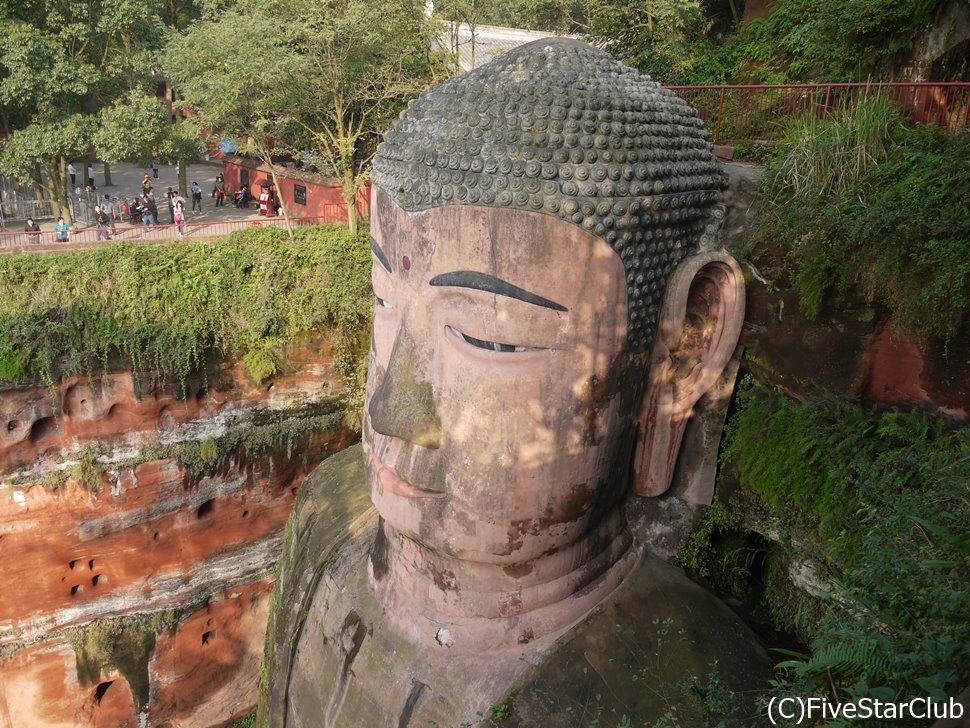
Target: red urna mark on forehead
x,y
407,263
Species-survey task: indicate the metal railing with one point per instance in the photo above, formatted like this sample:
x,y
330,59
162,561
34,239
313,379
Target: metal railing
x,y
759,113
47,240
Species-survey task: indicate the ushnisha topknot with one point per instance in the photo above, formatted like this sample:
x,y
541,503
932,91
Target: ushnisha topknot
x,y
559,127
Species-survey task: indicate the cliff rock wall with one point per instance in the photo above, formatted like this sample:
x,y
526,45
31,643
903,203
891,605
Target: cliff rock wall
x,y
138,532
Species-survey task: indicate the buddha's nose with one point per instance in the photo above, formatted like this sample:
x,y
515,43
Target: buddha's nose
x,y
403,405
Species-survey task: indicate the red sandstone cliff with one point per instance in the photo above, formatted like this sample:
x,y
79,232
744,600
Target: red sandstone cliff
x,y
138,533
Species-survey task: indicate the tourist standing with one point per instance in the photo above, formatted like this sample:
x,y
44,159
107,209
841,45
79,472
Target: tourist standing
x,y
219,190
72,171
178,214
148,210
61,231
170,199
196,196
103,222
147,186
91,176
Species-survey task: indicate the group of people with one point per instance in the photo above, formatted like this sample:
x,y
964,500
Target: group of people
x,y
110,211
72,171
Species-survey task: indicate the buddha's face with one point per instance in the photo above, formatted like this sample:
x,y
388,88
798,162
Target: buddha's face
x,y
500,394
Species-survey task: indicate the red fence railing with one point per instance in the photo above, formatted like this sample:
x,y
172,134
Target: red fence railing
x,y
759,113
46,240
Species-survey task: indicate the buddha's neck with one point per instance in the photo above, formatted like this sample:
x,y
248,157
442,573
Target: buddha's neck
x,y
440,601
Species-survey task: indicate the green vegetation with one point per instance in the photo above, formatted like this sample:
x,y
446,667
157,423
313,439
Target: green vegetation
x,y
863,203
503,710
880,503
248,722
121,643
167,309
358,61
278,430
703,42
76,76
88,471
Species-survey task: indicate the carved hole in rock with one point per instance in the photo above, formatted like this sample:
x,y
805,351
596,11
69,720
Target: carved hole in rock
x,y
205,509
155,536
245,514
12,425
75,589
96,579
42,428
208,636
91,564
293,491
101,690
72,563
200,397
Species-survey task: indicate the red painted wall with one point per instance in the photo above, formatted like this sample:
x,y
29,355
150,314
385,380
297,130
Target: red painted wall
x,y
324,197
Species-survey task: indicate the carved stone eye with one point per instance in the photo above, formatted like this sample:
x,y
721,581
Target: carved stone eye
x,y
491,345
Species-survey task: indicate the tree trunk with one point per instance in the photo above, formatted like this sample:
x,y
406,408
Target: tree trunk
x,y
63,189
265,157
63,193
182,177
38,183
107,174
350,195
734,12
53,182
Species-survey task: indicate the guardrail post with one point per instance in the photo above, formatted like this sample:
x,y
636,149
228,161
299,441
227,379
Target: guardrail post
x,y
828,96
720,110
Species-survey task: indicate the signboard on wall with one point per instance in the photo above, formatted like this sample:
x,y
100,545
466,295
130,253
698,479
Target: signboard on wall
x,y
299,195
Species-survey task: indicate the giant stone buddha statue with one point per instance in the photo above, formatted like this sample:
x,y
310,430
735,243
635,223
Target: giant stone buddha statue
x,y
550,305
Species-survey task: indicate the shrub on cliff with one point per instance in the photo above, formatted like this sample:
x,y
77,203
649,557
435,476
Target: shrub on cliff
x,y
165,309
863,203
880,503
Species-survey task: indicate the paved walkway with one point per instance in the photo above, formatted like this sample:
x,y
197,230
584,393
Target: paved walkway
x,y
126,183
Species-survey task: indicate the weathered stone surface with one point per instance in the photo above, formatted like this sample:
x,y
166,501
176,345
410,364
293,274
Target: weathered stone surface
x,y
851,352
335,660
150,535
561,128
203,674
331,508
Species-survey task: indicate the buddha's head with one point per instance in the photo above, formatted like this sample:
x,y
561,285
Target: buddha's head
x,y
549,308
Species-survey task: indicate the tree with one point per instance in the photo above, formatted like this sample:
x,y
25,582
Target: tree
x,y
664,38
325,76
46,143
60,62
138,129
362,65
236,75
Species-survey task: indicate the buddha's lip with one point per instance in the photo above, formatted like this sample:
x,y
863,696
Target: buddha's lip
x,y
394,482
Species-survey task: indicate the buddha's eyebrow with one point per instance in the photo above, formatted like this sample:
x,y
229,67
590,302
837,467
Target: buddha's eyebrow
x,y
491,284
376,249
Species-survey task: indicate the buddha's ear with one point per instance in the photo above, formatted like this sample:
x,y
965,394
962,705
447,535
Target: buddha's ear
x,y
700,323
